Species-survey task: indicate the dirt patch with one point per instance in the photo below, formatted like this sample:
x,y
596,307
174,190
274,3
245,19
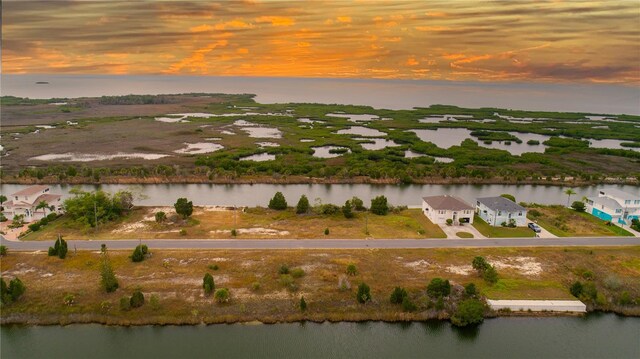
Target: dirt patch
x,y
129,228
524,265
460,270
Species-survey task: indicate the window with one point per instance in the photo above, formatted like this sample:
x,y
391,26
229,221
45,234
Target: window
x,y
519,214
499,213
627,201
618,211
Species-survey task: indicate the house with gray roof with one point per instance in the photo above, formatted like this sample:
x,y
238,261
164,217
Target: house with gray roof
x,y
499,211
614,206
440,208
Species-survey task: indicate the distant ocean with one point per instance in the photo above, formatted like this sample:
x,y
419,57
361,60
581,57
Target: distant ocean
x,y
390,94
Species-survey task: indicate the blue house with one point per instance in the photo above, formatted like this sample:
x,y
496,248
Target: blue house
x,y
614,206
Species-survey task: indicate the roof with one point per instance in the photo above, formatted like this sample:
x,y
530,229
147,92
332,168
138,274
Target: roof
x,y
47,198
499,203
613,192
29,191
606,201
447,202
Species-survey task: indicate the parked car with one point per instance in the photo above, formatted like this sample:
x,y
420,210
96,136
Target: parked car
x,y
534,227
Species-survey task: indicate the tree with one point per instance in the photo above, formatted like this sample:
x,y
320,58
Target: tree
x,y
398,295
5,298
160,216
208,284
3,251
578,206
278,202
43,205
364,293
3,199
16,289
303,205
108,278
470,290
303,304
357,204
408,305
91,208
490,275
439,288
569,192
468,312
137,299
351,269
183,207
508,196
59,248
222,295
346,210
139,252
379,206
576,289
480,264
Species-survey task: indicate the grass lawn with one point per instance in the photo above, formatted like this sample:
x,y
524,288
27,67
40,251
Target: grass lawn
x,y
174,278
464,234
217,223
500,232
565,222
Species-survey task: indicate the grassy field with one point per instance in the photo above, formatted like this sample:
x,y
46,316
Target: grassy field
x,y
174,278
500,232
565,222
214,222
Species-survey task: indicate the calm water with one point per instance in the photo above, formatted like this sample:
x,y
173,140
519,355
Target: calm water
x,y
392,94
597,336
259,194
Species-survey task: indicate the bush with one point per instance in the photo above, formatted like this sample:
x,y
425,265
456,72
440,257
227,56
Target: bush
x,y
137,299
183,207
213,266
208,284
398,295
480,264
449,221
351,269
278,202
137,255
183,232
287,281
408,305
326,231
576,289
613,283
161,217
578,206
303,304
364,293
347,210
470,290
297,273
34,227
255,286
303,205
125,303
284,269
358,204
625,298
535,213
69,299
508,196
154,302
468,312
3,250
222,295
589,292
234,232
13,292
108,278
379,206
439,288
59,248
490,275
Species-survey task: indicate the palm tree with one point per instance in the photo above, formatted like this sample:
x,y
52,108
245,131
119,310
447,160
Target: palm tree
x,y
3,199
42,205
569,192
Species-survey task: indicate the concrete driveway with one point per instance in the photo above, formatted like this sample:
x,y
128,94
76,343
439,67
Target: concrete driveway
x,y
451,231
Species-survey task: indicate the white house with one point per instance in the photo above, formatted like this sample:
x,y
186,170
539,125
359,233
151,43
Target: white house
x,y
615,206
25,202
498,210
440,208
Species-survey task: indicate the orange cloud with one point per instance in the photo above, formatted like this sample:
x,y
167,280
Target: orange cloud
x,y
432,28
436,14
276,20
411,61
344,19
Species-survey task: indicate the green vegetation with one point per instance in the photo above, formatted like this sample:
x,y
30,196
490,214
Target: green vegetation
x,y
468,312
303,304
578,206
438,288
160,216
464,234
108,279
347,210
379,206
59,248
351,269
139,253
398,295
12,292
208,284
3,251
490,231
88,209
566,222
485,270
183,207
222,295
364,293
278,202
137,299
303,205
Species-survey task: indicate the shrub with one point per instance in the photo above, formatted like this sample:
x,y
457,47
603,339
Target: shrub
x,y
213,267
347,210
234,232
535,213
508,196
625,298
3,250
137,255
278,202
440,303
576,289
398,295
222,295
480,264
183,232
154,302
137,299
34,227
183,207
449,221
125,303
69,299
13,292
161,217
351,269
470,290
284,269
326,231
343,283
468,312
408,305
578,206
357,204
108,278
255,286
379,206
490,275
303,304
589,292
287,281
59,248
303,205
297,273
439,288
208,284
613,283
364,293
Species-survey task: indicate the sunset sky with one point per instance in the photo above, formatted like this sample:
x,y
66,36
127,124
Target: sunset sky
x,y
542,41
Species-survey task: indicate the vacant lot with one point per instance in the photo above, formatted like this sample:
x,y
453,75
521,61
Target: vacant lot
x,y
565,222
250,223
500,232
258,292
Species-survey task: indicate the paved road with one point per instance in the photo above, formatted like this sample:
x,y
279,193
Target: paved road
x,y
329,244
